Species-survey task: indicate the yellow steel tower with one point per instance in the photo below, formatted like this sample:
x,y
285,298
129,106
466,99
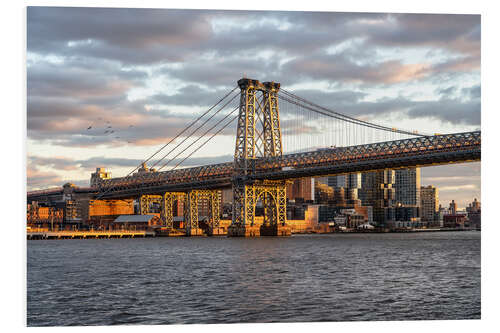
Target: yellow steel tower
x,y
258,136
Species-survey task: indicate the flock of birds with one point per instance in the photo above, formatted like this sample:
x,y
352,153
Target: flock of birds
x,y
108,130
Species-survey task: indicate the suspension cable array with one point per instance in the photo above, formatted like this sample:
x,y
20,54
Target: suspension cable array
x,y
228,100
192,134
315,108
198,139
326,128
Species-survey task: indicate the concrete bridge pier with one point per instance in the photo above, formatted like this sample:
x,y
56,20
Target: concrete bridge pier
x,y
275,230
243,231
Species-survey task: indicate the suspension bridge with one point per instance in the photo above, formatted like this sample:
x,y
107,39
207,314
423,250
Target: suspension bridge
x,y
279,137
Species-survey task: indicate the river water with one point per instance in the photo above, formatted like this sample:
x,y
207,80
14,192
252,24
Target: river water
x,y
336,277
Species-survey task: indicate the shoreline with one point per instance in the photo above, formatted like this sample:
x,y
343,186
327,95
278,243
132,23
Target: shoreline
x,y
44,235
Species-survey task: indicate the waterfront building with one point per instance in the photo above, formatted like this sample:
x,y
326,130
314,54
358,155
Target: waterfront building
x,y
301,190
337,181
134,222
440,215
474,206
339,197
407,213
350,184
323,193
453,208
377,191
99,174
323,180
353,180
474,214
407,186
454,221
429,198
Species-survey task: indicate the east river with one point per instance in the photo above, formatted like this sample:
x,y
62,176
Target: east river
x,y
303,278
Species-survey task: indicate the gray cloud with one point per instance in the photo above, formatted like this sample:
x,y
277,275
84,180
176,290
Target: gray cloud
x,y
132,35
89,165
84,64
463,110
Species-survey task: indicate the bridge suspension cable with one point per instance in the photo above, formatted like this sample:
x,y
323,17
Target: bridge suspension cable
x,y
128,176
192,134
206,141
198,139
292,98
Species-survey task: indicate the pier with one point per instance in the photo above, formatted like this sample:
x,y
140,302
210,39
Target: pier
x,y
89,234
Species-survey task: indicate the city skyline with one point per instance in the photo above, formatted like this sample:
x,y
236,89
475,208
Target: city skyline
x,y
147,76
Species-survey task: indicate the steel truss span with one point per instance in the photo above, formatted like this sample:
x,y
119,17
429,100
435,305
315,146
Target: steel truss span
x,y
420,151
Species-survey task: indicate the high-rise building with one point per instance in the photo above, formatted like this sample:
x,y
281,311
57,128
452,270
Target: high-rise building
x,y
453,208
377,191
474,214
474,206
99,174
337,181
323,193
429,198
348,184
407,186
302,188
353,180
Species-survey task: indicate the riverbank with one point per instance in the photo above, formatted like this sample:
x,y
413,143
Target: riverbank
x,y
92,234
361,231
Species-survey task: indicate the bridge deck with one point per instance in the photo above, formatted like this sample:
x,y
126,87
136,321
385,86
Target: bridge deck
x,y
420,151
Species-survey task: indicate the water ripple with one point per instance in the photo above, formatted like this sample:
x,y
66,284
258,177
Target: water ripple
x,y
223,280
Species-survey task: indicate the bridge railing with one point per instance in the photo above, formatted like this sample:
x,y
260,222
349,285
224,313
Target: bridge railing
x,y
419,145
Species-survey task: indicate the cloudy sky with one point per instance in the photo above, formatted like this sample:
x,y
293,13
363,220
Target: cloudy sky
x,y
146,73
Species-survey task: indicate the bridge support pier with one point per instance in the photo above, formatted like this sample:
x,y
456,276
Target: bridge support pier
x,y
167,211
145,202
245,198
191,212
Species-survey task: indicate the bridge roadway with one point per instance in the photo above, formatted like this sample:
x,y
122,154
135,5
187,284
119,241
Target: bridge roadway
x,y
420,151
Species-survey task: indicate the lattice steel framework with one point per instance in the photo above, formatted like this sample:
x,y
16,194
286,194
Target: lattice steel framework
x,y
167,207
145,202
191,203
271,125
258,137
258,132
191,211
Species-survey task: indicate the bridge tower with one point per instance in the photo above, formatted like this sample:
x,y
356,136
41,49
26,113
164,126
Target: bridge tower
x,y
258,136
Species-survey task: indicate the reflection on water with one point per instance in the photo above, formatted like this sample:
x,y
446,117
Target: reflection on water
x,y
341,277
